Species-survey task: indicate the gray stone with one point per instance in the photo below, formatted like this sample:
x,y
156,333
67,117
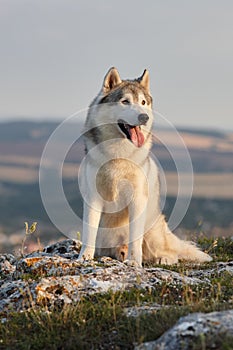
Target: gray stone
x,y
192,328
68,248
136,311
7,264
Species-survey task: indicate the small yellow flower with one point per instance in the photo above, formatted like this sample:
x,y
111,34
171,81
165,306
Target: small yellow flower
x,y
32,228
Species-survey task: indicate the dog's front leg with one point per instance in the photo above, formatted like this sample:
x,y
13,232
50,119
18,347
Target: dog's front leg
x,y
91,219
137,217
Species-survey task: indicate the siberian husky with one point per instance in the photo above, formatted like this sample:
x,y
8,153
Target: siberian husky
x,y
120,182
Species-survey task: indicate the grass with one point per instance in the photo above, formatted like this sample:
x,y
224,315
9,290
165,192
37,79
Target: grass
x,y
96,323
91,324
100,321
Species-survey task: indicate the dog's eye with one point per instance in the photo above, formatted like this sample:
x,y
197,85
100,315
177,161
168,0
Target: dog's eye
x,y
143,102
125,102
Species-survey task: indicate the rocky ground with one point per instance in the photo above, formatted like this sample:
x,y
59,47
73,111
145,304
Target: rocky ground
x,y
53,277
193,328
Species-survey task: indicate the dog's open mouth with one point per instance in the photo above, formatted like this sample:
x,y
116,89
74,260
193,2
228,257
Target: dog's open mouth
x,y
132,132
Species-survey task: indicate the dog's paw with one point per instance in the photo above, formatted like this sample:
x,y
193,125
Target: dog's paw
x,y
167,260
121,252
132,263
86,254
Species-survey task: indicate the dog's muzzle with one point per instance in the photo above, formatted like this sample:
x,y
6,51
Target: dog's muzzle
x,y
134,132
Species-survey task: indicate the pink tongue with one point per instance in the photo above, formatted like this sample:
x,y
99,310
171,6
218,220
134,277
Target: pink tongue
x,y
136,136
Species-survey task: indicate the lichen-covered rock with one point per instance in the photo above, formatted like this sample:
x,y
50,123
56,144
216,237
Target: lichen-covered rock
x,y
194,328
174,277
40,266
17,295
54,276
7,264
68,248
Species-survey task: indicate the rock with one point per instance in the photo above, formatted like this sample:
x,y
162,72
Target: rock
x,y
136,311
68,248
17,295
54,276
40,266
174,277
7,264
197,327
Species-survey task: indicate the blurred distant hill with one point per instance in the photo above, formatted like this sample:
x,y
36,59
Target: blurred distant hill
x,y
21,146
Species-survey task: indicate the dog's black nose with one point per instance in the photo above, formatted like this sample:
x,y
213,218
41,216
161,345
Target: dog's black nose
x,y
143,118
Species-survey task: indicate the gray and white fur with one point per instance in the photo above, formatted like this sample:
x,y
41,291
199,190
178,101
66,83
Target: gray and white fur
x,y
120,182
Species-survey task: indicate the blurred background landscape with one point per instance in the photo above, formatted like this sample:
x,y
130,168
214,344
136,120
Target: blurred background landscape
x,y
53,57
21,146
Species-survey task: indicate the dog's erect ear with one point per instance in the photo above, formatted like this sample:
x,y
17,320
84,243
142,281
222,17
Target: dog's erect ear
x,y
111,79
144,80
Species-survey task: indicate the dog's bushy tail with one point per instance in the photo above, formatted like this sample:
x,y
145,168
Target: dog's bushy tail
x,y
160,244
190,252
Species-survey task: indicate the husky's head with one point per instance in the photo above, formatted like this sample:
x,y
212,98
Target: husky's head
x,y
124,107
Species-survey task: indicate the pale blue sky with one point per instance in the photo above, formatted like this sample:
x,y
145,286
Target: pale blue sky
x,y
54,54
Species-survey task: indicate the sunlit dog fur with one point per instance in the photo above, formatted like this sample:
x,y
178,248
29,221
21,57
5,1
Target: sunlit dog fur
x,y
120,182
